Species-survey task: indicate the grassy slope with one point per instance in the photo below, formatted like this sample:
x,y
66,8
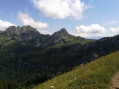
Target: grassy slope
x,y
94,75
70,40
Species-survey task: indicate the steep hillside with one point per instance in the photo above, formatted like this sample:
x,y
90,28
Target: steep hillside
x,y
23,62
28,57
63,38
94,75
18,40
39,66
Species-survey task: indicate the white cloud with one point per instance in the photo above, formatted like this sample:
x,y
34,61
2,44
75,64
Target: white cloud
x,y
113,31
95,31
61,9
5,24
45,32
25,19
94,28
112,22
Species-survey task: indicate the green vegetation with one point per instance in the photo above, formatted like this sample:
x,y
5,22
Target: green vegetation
x,y
94,75
29,65
70,40
28,58
22,64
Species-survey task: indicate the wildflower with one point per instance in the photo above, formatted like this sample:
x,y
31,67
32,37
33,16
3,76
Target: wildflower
x,y
51,87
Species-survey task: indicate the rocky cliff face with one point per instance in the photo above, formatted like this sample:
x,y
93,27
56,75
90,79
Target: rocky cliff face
x,y
25,34
59,35
18,31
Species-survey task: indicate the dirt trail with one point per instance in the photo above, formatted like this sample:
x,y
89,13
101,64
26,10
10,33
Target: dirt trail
x,y
115,81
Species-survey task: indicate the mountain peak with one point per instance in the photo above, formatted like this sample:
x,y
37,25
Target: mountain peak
x,y
12,30
63,30
59,35
15,31
25,28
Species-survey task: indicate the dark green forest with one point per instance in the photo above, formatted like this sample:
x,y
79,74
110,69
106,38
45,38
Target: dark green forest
x,y
28,58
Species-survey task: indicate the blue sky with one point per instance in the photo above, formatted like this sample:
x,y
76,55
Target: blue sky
x,y
86,18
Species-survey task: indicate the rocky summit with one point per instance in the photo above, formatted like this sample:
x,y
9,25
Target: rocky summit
x,y
59,35
18,31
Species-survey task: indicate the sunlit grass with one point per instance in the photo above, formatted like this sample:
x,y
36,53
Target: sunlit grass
x,y
94,75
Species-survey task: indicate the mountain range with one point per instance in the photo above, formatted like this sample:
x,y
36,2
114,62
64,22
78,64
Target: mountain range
x,y
28,57
30,34
27,39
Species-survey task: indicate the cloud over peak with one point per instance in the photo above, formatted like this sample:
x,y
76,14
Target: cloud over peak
x,y
5,24
25,19
60,9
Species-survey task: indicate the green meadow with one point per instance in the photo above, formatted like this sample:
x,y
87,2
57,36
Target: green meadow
x,y
94,75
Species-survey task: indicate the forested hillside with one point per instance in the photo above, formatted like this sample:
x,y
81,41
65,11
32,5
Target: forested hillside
x,y
33,58
94,75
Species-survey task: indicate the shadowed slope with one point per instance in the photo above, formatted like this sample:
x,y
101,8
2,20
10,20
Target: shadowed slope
x,y
95,75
